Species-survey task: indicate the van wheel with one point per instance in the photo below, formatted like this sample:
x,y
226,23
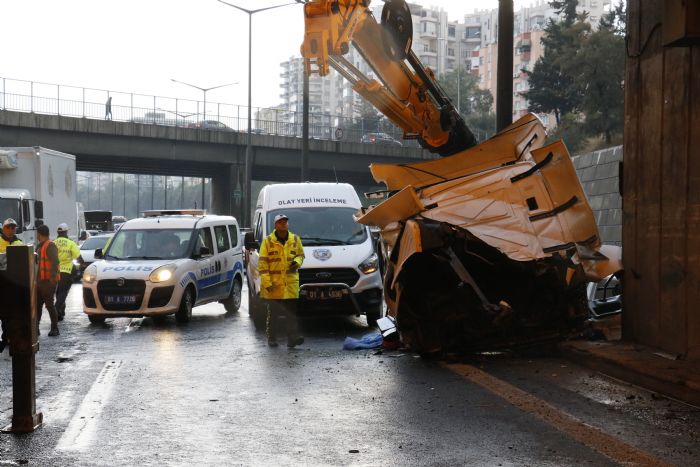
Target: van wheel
x,y
257,310
373,314
233,302
184,313
96,319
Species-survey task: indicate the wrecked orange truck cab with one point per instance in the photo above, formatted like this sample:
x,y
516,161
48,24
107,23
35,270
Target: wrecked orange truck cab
x,y
489,247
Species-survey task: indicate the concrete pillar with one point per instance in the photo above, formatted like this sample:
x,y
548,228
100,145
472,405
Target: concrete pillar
x,y
227,191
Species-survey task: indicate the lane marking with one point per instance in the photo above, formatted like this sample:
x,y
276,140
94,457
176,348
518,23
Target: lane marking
x,y
595,438
83,425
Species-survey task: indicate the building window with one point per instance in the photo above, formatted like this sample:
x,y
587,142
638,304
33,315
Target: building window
x,y
451,31
450,52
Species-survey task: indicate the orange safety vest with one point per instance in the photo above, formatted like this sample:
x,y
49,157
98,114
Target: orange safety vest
x,y
45,265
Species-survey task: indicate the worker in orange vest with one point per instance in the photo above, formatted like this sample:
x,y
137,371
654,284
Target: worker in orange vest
x,y
48,275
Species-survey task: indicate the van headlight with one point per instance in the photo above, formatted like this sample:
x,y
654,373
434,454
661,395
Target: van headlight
x,y
90,274
369,265
163,273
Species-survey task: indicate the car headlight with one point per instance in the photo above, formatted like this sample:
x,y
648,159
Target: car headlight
x,y
163,273
90,274
369,265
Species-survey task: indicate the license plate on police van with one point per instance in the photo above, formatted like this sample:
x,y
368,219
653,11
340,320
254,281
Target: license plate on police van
x,y
120,299
324,294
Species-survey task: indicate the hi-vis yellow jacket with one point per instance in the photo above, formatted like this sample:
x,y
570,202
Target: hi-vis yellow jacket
x,y
277,280
67,251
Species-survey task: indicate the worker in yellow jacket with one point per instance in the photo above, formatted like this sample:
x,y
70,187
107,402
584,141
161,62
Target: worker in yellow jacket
x,y
67,252
7,238
281,256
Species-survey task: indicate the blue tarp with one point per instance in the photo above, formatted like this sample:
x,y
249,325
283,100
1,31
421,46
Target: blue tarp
x,y
368,341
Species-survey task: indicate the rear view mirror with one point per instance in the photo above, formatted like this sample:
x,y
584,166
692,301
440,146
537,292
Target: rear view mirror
x,y
204,251
38,209
250,242
98,254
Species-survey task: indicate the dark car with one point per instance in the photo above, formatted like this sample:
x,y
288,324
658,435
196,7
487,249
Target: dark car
x,y
380,138
210,125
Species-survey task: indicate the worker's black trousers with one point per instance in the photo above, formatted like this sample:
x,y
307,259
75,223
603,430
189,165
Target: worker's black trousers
x,y
278,309
62,292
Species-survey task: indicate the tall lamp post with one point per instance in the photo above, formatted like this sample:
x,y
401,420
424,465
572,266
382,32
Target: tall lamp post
x,y
204,90
248,149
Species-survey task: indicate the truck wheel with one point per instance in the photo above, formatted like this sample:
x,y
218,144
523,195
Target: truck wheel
x,y
373,314
184,313
257,310
233,302
96,319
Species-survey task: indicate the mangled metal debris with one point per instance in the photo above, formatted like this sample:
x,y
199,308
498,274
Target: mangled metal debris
x,y
489,247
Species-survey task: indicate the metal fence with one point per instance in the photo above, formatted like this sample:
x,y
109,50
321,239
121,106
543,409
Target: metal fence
x,y
71,101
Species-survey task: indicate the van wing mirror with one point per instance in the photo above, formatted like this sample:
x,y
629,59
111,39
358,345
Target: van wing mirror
x,y
204,251
98,254
250,242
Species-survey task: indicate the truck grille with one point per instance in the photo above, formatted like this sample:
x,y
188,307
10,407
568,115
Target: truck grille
x,y
129,287
329,275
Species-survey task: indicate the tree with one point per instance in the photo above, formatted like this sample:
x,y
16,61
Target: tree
x,y
553,87
601,69
475,104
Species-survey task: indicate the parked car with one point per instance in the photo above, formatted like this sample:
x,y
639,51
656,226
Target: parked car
x,y
88,247
380,138
210,125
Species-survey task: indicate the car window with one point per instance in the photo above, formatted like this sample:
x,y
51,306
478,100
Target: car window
x,y
221,235
233,231
204,240
258,229
94,243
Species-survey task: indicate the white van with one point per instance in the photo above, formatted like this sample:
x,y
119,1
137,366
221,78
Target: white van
x,y
166,262
340,274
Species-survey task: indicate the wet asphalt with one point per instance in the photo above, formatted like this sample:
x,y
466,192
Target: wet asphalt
x,y
211,392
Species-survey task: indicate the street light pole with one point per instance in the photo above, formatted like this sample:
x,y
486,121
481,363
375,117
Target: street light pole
x,y
249,149
204,90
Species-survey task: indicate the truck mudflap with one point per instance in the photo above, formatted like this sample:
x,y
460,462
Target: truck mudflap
x,y
490,247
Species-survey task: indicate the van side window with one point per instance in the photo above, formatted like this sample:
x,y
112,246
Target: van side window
x,y
222,243
204,240
233,230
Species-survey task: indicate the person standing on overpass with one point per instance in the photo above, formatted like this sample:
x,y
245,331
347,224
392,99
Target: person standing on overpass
x,y
108,108
67,252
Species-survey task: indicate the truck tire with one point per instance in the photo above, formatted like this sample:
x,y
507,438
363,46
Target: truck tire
x,y
184,313
373,314
233,302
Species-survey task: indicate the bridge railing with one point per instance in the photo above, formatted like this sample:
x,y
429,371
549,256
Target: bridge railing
x,y
53,99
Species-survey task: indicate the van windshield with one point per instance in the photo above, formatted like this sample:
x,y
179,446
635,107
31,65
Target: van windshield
x,y
322,226
149,244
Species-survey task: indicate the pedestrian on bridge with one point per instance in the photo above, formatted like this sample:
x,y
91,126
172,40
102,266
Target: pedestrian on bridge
x,y
281,256
68,251
108,108
47,277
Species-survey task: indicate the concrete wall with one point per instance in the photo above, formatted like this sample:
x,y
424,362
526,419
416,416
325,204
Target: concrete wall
x,y
599,175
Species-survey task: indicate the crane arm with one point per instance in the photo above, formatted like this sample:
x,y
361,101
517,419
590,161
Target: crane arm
x,y
406,91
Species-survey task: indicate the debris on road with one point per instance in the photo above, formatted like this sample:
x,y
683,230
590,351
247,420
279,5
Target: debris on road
x,y
368,341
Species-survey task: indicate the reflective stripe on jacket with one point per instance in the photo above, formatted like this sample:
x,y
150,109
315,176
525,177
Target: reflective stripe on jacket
x,y
48,262
5,243
277,281
67,251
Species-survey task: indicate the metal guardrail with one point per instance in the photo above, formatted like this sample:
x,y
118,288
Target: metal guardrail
x,y
54,99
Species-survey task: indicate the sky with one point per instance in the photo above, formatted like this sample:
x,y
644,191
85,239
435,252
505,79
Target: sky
x,y
139,46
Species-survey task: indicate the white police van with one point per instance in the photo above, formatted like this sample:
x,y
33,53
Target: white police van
x,y
340,274
163,263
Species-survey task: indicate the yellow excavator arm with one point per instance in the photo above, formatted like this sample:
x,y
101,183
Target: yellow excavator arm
x,y
406,91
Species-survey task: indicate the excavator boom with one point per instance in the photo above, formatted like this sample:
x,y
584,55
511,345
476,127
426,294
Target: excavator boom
x,y
405,91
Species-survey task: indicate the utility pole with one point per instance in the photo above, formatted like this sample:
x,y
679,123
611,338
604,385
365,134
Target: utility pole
x,y
504,83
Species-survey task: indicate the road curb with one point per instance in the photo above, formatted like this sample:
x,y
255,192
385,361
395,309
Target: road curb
x,y
639,365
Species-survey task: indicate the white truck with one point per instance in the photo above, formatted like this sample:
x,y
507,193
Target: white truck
x,y
38,186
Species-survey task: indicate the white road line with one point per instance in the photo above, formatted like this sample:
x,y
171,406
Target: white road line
x,y
83,425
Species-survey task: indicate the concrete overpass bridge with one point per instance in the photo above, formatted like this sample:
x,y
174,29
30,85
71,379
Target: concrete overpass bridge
x,y
127,147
